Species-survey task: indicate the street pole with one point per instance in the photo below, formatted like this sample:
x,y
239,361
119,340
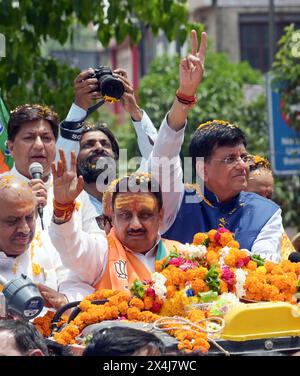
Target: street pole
x,y
271,32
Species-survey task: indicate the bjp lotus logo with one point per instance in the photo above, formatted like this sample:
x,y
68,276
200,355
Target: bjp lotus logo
x,y
120,268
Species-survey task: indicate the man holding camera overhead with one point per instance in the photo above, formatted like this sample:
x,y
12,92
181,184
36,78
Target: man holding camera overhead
x,y
94,141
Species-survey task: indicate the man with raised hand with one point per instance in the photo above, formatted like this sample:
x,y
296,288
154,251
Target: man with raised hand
x,y
219,156
133,245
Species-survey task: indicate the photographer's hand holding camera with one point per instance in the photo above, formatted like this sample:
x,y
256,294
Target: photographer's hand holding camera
x,y
128,99
86,89
98,84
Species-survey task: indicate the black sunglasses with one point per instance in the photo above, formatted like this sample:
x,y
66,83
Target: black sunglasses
x,y
102,221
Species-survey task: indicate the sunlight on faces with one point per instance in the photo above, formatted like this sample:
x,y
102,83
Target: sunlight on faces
x,y
17,216
261,181
136,219
35,142
226,181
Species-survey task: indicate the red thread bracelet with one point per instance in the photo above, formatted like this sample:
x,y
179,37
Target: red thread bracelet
x,y
186,99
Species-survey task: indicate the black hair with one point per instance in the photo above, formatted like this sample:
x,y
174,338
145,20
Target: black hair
x,y
214,134
26,336
138,183
121,341
102,127
56,349
28,113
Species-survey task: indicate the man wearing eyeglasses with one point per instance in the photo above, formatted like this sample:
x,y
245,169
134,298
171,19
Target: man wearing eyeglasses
x,y
219,157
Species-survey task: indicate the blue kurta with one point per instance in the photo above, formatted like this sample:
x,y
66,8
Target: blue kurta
x,y
245,216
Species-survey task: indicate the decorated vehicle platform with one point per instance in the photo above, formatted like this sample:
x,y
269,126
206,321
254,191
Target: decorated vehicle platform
x,y
209,296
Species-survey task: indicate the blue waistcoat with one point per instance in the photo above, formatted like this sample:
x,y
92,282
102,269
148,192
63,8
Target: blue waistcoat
x,y
245,216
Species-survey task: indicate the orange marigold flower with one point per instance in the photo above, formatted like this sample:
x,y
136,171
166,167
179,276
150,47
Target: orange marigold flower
x,y
148,302
211,235
122,307
185,345
199,238
233,244
201,344
132,313
230,260
198,285
223,286
137,302
85,305
196,315
251,265
212,257
225,238
269,265
170,292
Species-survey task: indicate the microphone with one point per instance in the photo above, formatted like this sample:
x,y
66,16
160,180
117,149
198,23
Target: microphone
x,y
36,172
294,257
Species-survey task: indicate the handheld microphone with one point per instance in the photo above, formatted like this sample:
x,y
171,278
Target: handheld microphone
x,y
36,172
294,257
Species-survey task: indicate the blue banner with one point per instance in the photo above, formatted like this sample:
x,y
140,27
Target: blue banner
x,y
284,139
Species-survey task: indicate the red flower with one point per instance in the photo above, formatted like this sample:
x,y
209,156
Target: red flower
x,y
228,277
189,264
150,292
243,262
177,261
220,231
156,307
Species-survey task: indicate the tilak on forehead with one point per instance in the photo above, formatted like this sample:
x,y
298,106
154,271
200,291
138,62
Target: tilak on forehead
x,y
134,201
139,178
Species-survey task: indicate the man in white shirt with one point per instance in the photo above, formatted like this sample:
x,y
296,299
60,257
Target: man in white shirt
x,y
130,249
220,158
94,141
24,251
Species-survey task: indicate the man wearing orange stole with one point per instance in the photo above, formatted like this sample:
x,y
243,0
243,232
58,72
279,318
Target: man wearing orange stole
x,y
133,245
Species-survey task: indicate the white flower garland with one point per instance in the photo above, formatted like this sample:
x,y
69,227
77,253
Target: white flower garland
x,y
240,276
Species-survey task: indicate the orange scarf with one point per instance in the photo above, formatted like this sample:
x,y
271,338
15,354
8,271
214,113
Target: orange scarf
x,y
124,267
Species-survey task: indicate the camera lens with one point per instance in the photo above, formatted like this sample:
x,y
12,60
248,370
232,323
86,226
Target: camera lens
x,y
111,87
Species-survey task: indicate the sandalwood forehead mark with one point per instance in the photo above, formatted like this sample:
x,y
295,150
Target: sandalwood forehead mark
x,y
134,200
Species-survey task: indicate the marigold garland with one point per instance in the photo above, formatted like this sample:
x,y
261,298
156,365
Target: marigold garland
x,y
193,274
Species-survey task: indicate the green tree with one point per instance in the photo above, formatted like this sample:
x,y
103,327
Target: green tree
x,y
286,71
27,76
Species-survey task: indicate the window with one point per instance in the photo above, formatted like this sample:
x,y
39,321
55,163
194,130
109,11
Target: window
x,y
254,36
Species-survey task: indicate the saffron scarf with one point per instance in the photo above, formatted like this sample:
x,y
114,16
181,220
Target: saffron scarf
x,y
123,267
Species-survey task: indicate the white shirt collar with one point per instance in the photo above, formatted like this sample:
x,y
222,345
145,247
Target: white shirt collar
x,y
18,175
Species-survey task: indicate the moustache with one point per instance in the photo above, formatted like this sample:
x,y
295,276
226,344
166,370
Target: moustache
x,y
97,155
136,232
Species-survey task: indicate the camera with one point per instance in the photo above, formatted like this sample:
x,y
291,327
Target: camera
x,y
108,85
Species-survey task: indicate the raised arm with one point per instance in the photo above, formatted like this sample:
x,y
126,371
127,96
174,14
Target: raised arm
x,y
85,94
191,73
164,162
66,185
82,253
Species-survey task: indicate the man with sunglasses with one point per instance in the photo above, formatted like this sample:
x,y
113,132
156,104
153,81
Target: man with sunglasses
x,y
220,159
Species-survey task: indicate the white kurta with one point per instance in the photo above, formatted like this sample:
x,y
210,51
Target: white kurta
x,y
42,264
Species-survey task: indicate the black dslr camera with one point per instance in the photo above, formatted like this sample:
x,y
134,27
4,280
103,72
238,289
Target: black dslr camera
x,y
108,85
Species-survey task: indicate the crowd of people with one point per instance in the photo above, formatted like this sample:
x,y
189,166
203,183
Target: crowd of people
x,y
102,231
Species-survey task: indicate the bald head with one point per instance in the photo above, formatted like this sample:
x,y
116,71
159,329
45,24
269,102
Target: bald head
x,y
13,189
17,215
